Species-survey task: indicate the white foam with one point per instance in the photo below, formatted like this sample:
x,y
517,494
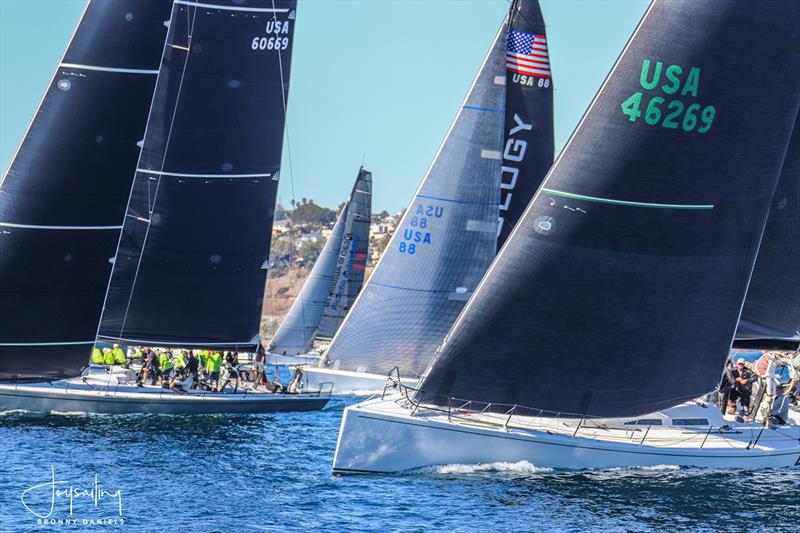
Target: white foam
x,y
520,467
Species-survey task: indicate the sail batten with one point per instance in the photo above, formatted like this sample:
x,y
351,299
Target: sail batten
x,y
607,309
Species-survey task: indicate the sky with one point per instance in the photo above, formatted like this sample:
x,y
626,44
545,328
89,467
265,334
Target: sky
x,y
376,82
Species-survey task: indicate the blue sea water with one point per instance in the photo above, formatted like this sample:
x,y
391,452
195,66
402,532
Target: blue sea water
x,y
272,473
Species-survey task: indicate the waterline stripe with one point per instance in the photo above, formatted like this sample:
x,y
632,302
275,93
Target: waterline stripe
x,y
625,202
178,175
69,228
231,8
109,69
487,109
45,343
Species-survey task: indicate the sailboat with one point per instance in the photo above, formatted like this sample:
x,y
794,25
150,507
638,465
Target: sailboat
x,y
333,283
615,301
153,242
490,164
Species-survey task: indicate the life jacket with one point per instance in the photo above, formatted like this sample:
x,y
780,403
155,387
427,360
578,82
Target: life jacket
x,y
214,362
119,356
108,356
137,354
166,363
180,361
202,355
97,356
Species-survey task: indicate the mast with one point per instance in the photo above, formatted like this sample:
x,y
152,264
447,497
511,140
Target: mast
x,y
191,264
619,291
62,200
338,268
442,245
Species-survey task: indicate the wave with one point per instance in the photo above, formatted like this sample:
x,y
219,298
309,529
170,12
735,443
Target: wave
x,y
520,467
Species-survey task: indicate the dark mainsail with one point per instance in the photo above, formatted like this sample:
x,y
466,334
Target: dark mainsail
x,y
528,141
63,198
442,245
191,264
335,279
619,291
771,314
351,261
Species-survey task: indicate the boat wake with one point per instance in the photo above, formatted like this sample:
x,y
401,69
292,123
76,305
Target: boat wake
x,y
520,467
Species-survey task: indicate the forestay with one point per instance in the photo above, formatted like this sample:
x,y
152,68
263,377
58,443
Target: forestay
x,y
63,198
191,264
619,291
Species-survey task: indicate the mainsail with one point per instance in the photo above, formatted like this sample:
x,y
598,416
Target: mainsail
x,y
442,245
335,279
191,264
494,158
619,291
771,314
351,262
63,198
528,142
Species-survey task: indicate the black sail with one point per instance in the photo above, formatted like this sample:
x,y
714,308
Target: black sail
x,y
63,198
528,135
191,264
771,314
619,291
351,262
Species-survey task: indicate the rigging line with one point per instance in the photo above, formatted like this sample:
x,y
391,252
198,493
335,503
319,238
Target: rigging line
x,y
289,157
163,163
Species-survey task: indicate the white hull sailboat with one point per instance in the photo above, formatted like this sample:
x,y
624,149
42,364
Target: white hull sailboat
x,y
619,294
394,433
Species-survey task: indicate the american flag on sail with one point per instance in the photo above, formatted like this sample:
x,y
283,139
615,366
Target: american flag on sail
x,y
527,54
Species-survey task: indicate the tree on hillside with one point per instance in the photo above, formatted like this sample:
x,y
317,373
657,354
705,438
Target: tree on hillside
x,y
310,213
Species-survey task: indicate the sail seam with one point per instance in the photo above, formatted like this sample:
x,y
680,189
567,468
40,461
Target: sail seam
x,y
109,69
232,8
486,109
156,342
67,228
209,176
449,200
626,202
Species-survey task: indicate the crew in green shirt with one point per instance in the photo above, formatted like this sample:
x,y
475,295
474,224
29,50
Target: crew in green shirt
x,y
108,356
97,356
119,355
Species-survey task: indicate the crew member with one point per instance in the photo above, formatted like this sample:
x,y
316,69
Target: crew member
x,y
119,355
741,388
108,356
97,356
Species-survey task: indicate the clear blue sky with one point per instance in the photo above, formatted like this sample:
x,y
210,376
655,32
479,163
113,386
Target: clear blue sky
x,y
374,79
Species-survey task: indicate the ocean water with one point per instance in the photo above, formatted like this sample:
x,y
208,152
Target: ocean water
x,y
272,473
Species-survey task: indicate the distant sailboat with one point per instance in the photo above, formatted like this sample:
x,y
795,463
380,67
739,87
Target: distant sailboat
x,y
194,239
616,299
332,285
493,159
